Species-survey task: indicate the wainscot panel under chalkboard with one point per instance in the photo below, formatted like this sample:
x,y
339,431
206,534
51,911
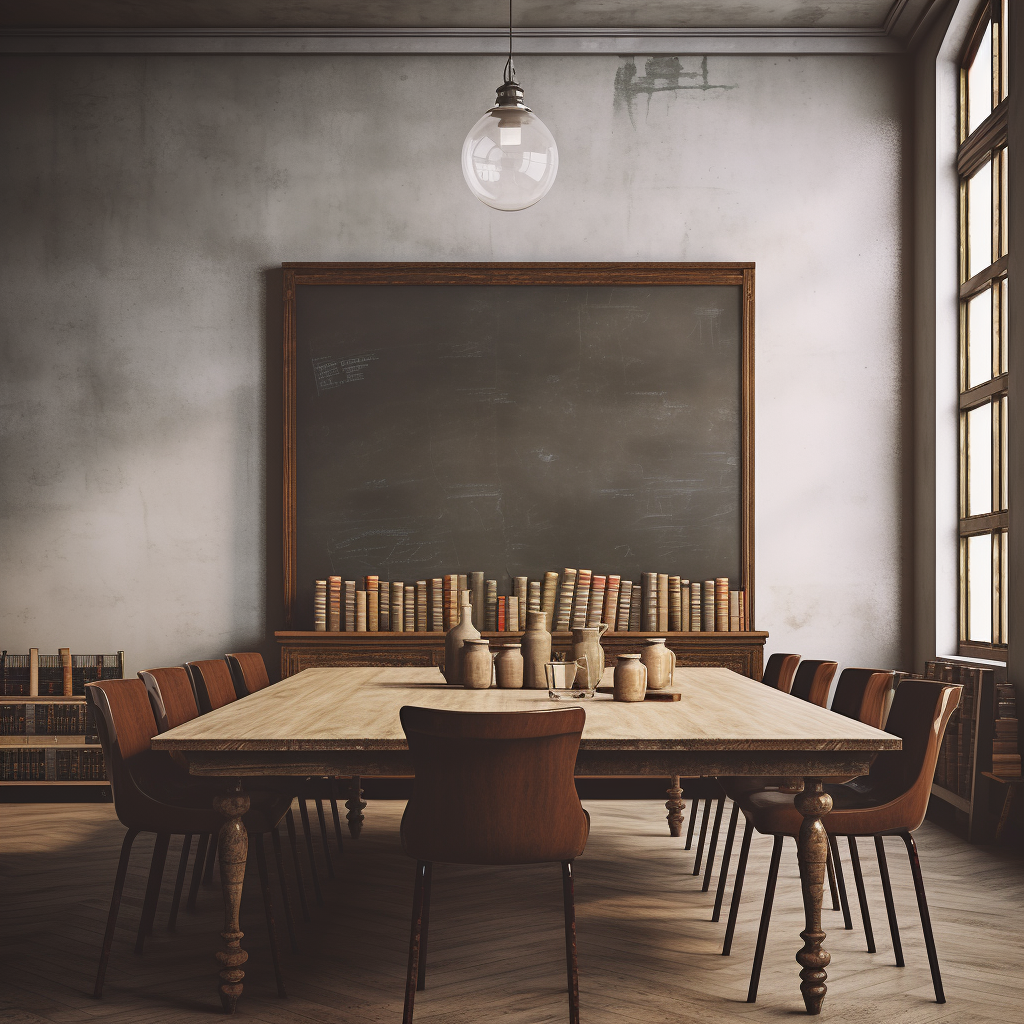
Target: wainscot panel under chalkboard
x,y
517,429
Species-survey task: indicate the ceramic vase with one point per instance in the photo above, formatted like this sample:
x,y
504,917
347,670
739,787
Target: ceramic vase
x,y
536,650
660,662
477,664
630,678
453,642
508,667
586,642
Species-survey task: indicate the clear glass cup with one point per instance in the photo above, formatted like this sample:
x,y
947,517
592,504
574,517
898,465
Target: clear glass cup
x,y
562,677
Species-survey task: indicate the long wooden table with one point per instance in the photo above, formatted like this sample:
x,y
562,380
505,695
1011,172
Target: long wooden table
x,y
344,722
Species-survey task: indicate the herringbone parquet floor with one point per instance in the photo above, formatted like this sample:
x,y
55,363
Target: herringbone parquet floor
x,y
648,952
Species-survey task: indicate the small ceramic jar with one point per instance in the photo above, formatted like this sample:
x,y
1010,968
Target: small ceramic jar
x,y
630,678
660,662
508,667
477,664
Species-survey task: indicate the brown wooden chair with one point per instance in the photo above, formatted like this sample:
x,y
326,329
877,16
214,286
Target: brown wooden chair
x,y
249,672
780,670
492,788
813,680
891,800
153,793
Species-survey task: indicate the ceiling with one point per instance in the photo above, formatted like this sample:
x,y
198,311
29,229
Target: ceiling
x,y
823,15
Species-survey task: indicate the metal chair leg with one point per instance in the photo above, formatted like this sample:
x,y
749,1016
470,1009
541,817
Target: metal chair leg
x,y
304,816
323,836
571,966
926,921
832,888
156,875
766,916
115,905
412,975
703,834
289,821
179,883
862,896
723,874
421,974
691,822
268,906
285,902
197,872
713,844
737,888
890,905
211,859
841,881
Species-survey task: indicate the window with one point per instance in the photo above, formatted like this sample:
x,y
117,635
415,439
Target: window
x,y
984,290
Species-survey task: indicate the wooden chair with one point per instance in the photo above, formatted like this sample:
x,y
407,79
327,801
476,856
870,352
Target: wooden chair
x,y
152,793
492,788
248,671
891,800
813,680
780,670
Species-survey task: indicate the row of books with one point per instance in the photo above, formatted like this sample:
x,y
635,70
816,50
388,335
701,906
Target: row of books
x,y
26,765
1005,749
55,675
954,766
658,603
46,720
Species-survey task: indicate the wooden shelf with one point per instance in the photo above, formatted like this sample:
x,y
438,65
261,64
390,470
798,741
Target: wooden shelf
x,y
40,740
55,782
77,699
951,798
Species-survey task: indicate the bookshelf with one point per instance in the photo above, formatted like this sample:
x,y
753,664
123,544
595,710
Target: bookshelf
x,y
743,652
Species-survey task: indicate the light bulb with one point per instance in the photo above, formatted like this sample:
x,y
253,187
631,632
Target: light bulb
x,y
509,158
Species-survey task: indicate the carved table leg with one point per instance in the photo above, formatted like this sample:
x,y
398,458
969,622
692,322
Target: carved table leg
x,y
355,804
812,851
675,807
232,849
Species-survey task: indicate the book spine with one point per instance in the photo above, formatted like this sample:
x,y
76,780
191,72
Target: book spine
x,y
421,606
65,657
409,608
533,596
635,608
662,602
397,607
491,609
707,614
548,597
437,604
684,605
476,586
33,671
320,606
513,614
734,611
695,606
581,598
450,584
649,602
384,609
350,606
611,601
622,615
744,612
675,607
565,596
463,585
372,584
502,620
360,611
722,604
595,607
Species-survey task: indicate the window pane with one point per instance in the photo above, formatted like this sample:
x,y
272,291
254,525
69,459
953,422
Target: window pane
x,y
1004,50
1003,204
979,588
1003,454
979,338
979,83
1004,574
979,460
979,220
1003,297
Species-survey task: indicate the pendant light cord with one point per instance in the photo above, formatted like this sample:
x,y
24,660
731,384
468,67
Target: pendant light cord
x,y
510,68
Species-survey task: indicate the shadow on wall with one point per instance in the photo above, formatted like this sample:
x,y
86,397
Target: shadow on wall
x,y
661,74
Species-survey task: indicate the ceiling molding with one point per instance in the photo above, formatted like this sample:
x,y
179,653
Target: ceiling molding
x,y
548,41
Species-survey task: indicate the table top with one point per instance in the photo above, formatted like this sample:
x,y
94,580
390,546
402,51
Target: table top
x,y
358,708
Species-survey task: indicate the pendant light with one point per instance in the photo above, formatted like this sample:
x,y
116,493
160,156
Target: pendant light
x,y
509,158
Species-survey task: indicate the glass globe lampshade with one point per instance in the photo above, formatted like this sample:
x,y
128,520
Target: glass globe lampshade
x,y
509,158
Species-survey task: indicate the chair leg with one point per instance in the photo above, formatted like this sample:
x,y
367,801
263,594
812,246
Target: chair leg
x,y
703,834
862,896
926,921
571,966
197,872
289,821
737,888
832,888
766,916
323,836
156,875
179,883
304,816
890,905
841,881
723,874
421,974
713,844
275,837
268,906
412,975
337,817
691,822
115,905
211,859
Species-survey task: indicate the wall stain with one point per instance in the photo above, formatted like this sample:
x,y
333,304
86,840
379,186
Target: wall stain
x,y
661,74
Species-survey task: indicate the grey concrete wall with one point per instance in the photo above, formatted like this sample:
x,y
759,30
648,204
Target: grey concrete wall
x,y
144,201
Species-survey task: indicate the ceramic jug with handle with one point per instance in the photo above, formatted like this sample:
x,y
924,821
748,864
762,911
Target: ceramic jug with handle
x,y
660,662
586,642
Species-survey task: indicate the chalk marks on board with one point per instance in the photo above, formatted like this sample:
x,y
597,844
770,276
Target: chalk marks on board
x,y
331,373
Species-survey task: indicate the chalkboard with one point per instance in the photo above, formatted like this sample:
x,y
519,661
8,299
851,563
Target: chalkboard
x,y
515,419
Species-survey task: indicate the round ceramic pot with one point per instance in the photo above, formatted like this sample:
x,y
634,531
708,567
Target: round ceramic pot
x,y
508,667
477,664
536,650
630,678
453,642
660,662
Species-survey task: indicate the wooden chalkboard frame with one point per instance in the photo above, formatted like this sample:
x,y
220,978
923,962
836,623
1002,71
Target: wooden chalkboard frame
x,y
513,274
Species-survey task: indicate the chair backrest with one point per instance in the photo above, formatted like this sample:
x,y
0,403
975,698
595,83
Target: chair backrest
x,y
813,680
172,696
213,685
494,787
861,694
779,671
919,714
248,672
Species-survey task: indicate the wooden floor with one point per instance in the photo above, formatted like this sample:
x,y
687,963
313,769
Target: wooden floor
x,y
647,950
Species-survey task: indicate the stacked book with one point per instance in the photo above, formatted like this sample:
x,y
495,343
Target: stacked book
x,y
25,764
46,719
1005,752
657,603
56,675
